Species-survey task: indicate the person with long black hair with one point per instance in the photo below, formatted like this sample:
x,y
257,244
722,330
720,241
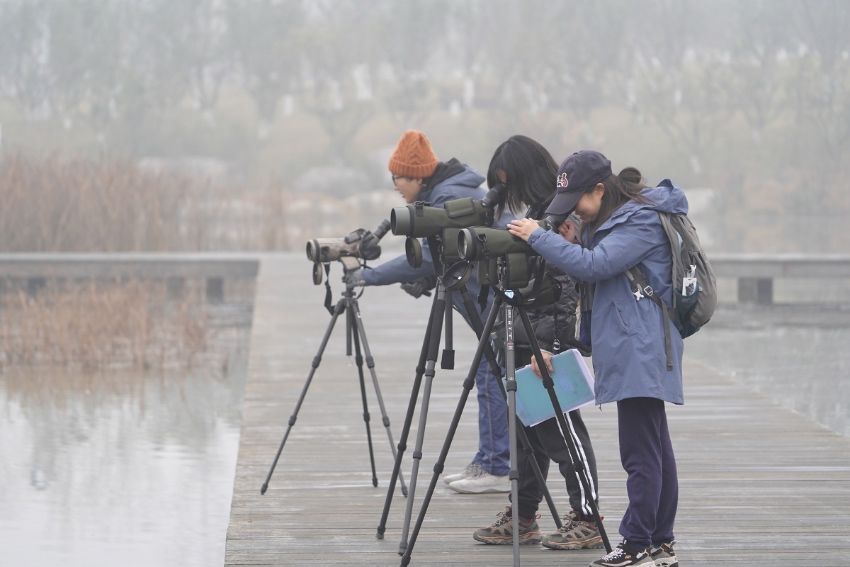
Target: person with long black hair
x,y
528,172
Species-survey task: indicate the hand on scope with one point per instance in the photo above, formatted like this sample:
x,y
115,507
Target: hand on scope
x,y
568,231
370,249
418,288
354,278
523,227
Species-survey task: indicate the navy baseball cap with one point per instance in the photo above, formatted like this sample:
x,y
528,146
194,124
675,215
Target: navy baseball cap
x,y
578,173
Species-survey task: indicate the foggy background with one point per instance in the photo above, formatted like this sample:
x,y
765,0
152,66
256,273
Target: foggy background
x,y
271,122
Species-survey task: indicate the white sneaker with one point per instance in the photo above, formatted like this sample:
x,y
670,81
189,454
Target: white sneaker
x,y
482,483
470,470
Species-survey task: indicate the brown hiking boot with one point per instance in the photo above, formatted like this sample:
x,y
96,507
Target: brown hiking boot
x,y
502,532
575,534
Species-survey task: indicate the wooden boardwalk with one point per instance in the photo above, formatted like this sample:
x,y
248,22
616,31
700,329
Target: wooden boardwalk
x,y
760,485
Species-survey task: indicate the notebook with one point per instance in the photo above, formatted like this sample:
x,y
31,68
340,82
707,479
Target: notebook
x,y
573,387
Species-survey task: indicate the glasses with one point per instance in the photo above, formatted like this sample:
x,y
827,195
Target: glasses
x,y
397,177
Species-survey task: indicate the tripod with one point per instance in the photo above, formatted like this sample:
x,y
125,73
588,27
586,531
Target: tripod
x,y
511,299
355,332
426,366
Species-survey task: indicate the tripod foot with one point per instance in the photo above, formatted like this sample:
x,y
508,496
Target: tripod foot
x,y
264,488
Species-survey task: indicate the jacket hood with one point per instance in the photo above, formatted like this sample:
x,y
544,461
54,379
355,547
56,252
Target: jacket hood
x,y
667,198
461,176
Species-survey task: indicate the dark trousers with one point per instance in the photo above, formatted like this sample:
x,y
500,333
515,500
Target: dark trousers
x,y
652,484
548,443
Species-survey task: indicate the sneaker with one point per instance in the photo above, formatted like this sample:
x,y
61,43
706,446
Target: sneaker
x,y
624,556
471,469
481,482
575,534
664,555
502,532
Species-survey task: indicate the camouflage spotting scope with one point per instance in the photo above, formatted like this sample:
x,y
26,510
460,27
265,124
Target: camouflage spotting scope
x,y
349,250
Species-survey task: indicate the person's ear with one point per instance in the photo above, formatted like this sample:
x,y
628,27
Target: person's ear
x,y
599,189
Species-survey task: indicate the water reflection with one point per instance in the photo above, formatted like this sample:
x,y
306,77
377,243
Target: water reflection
x,y
136,469
124,468
794,354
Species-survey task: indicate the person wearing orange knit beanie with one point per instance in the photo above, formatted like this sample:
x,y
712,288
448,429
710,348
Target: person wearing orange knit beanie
x,y
418,175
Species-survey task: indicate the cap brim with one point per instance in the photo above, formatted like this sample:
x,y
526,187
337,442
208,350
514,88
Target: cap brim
x,y
564,203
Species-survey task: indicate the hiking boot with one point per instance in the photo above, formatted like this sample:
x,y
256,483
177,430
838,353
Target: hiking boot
x,y
481,482
664,555
625,556
502,532
471,469
575,534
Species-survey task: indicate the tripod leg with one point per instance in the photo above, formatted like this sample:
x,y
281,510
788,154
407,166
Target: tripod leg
x,y
340,307
430,365
520,428
578,462
354,308
438,468
408,418
510,387
358,358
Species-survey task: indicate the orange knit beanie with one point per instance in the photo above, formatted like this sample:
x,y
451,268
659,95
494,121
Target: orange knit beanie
x,y
413,156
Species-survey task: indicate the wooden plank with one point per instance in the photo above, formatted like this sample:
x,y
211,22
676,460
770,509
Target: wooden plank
x,y
760,485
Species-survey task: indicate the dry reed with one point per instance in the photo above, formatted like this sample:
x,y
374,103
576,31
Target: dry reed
x,y
115,205
97,326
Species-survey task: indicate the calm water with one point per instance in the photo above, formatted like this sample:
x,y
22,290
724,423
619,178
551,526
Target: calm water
x,y
120,468
797,355
136,469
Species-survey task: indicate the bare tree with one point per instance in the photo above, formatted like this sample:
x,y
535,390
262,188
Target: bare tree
x,y
264,38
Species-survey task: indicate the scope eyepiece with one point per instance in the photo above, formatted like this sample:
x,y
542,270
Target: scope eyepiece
x,y
495,196
553,222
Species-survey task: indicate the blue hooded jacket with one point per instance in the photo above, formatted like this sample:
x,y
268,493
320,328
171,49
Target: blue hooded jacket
x,y
466,184
626,334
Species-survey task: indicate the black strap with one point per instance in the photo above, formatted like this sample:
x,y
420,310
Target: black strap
x,y
483,296
328,293
641,288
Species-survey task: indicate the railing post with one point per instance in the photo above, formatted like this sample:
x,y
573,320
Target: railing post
x,y
755,290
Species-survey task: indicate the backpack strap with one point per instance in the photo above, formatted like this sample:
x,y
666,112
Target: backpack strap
x,y
641,289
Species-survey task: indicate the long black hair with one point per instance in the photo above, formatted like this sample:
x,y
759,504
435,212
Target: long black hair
x,y
530,173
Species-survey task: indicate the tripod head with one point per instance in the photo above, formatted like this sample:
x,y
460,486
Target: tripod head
x,y
520,280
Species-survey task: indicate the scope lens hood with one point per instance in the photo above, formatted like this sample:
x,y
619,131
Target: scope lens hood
x,y
401,221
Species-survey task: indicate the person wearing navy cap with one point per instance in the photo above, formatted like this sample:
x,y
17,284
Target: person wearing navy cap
x,y
621,229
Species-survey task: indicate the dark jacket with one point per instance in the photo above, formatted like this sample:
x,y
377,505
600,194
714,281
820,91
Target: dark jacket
x,y
554,325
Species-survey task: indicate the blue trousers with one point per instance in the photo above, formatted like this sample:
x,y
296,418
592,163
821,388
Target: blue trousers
x,y
494,448
494,453
646,454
